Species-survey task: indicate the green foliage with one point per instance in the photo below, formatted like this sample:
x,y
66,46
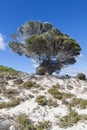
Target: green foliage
x,y
22,119
59,95
29,84
41,100
81,76
18,81
43,125
36,43
6,69
54,91
82,103
48,46
70,119
11,103
10,92
22,122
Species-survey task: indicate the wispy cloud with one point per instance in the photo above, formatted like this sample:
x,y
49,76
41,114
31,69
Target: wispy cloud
x,y
2,43
74,70
35,65
81,55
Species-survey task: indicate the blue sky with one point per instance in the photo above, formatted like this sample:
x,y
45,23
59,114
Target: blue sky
x,y
70,16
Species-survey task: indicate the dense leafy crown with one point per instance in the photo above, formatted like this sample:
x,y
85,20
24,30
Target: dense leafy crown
x,y
50,48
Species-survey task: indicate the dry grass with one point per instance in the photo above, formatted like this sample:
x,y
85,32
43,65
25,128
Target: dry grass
x,y
10,93
41,100
59,95
29,84
78,102
70,119
22,122
12,103
18,81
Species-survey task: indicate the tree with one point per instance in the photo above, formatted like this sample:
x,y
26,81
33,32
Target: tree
x,y
50,48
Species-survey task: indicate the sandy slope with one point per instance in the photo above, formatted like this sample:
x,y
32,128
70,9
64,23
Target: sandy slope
x,y
40,113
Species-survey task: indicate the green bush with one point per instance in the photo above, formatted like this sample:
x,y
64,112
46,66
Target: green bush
x,y
6,69
81,76
22,119
54,91
30,84
10,93
18,81
67,95
11,103
82,103
22,122
57,94
41,100
43,125
70,119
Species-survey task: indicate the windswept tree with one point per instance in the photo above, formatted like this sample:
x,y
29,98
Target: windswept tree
x,y
50,48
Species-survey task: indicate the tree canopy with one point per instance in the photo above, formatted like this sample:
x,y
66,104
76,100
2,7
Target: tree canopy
x,y
48,46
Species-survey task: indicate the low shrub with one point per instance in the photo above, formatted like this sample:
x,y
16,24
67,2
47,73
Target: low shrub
x,y
54,91
18,81
57,94
11,103
81,76
67,95
10,93
6,69
82,103
30,84
22,122
41,100
43,125
70,119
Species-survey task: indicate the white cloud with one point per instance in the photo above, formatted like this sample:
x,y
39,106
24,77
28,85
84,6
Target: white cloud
x,y
2,43
79,58
70,70
35,65
81,55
